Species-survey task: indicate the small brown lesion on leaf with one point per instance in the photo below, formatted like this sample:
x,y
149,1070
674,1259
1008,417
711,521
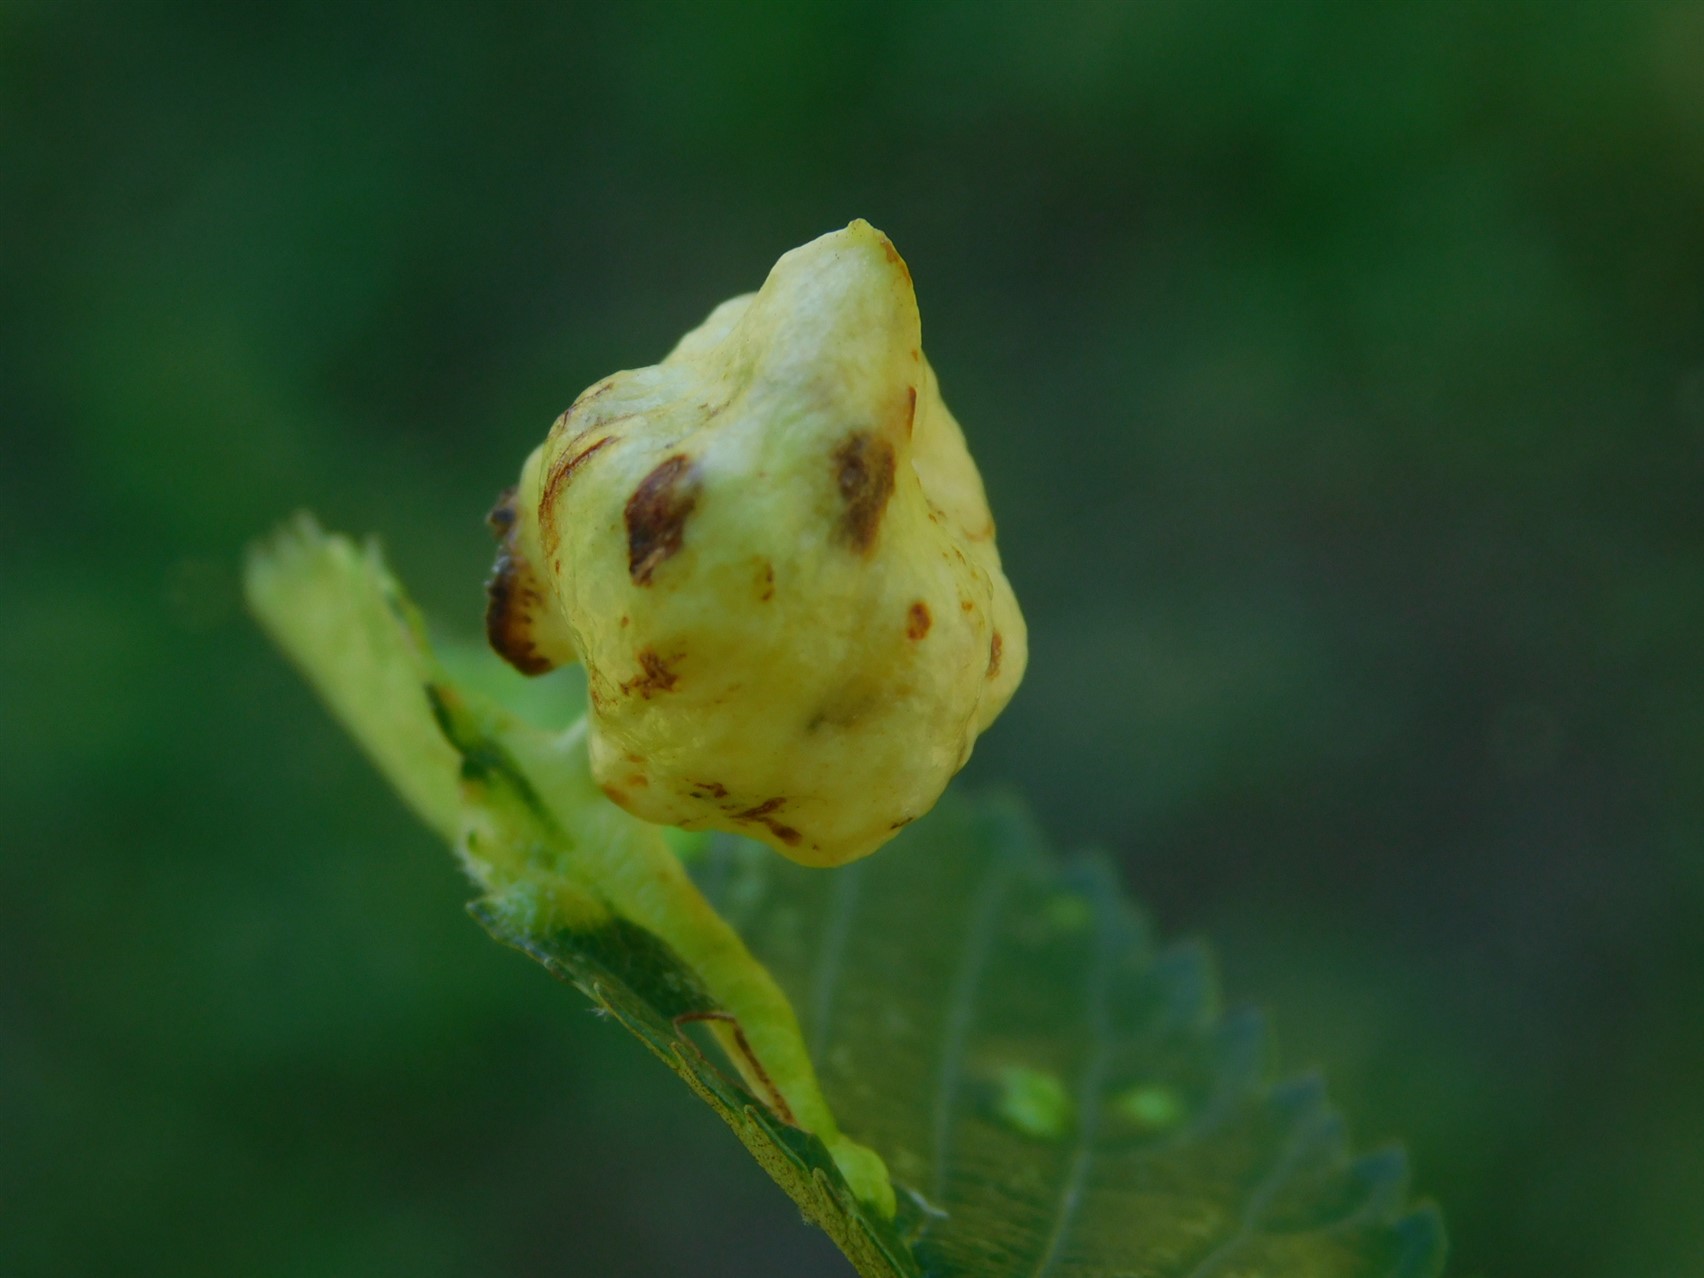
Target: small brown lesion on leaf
x,y
996,647
711,789
654,676
656,516
910,410
863,474
752,1070
917,620
765,581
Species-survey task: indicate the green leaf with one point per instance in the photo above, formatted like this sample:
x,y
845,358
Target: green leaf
x,y
643,984
342,620
1053,1095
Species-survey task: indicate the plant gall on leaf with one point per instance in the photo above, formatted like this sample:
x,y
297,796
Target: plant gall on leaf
x,y
773,553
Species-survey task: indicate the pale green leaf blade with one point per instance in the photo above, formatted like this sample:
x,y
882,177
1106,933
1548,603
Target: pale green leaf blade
x,y
342,620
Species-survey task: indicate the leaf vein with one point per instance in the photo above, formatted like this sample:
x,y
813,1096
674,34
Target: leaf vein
x,y
1259,1199
831,959
1089,1089
961,1010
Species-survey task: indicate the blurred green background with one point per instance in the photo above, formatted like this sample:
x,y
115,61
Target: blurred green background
x,y
1337,372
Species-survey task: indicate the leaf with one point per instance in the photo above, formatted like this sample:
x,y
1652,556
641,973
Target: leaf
x,y
1054,1096
571,878
643,984
338,615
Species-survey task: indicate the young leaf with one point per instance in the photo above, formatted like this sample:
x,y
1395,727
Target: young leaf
x,y
331,607
1053,1096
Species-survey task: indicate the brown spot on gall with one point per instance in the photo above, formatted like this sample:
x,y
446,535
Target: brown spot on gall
x,y
893,256
863,473
654,676
765,581
584,400
513,596
917,620
501,517
550,534
996,646
714,789
760,815
656,516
